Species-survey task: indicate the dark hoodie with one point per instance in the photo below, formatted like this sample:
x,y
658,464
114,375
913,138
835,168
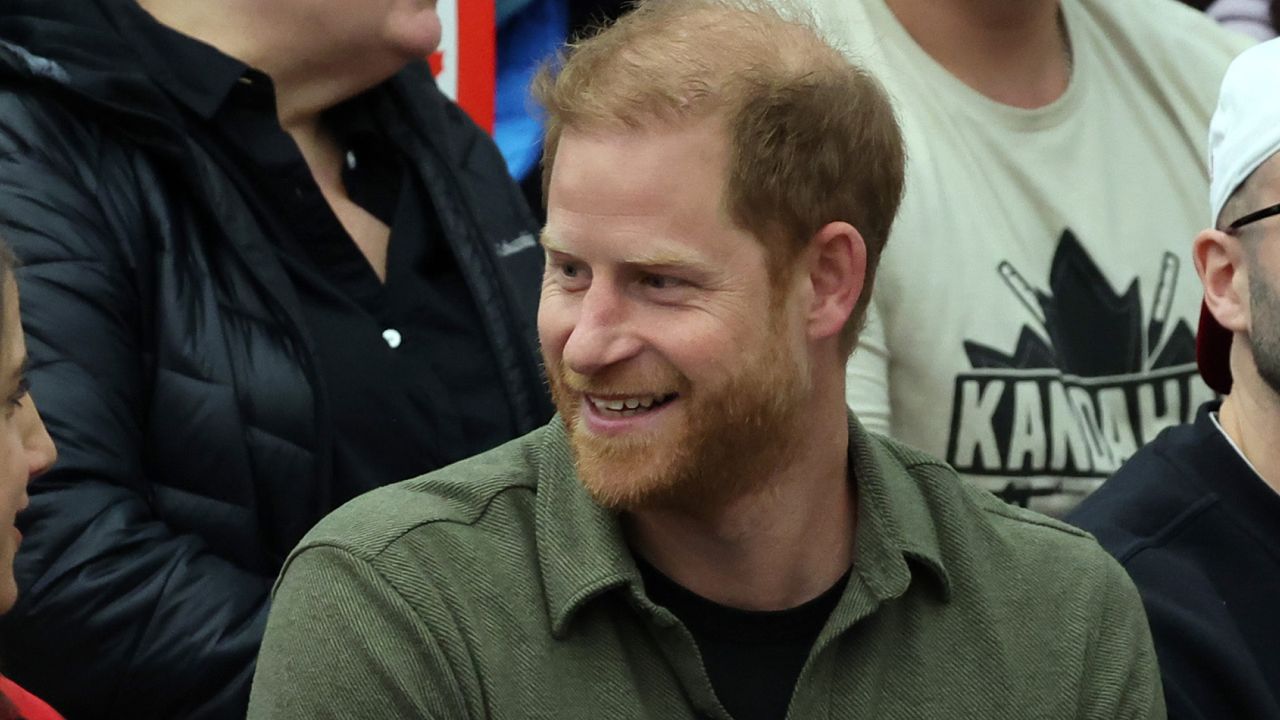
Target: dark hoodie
x,y
172,367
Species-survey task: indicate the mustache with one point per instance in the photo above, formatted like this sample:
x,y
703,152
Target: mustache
x,y
619,381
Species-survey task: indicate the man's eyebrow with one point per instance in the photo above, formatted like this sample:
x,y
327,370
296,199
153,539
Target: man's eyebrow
x,y
656,259
547,242
666,260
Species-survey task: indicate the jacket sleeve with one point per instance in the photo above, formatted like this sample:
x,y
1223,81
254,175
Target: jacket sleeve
x,y
1208,657
119,614
343,643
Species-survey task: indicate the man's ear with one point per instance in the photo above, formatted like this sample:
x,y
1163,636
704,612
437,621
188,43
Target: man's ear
x,y
1220,261
837,267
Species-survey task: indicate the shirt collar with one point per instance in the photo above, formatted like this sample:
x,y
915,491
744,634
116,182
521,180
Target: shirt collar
x,y
581,548
197,75
583,553
898,526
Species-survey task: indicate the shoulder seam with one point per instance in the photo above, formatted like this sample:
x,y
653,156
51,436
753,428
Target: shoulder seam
x,y
388,542
1173,527
1036,520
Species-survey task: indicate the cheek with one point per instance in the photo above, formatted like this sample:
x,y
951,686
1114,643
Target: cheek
x,y
703,352
13,474
555,324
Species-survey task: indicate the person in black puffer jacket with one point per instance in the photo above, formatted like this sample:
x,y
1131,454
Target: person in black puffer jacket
x,y
257,281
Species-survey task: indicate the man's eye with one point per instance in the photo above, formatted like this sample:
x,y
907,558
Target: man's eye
x,y
570,274
24,387
15,400
661,282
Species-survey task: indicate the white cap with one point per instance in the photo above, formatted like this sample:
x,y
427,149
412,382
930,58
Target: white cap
x,y
1245,129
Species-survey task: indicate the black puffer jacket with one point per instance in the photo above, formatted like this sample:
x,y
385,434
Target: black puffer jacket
x,y
169,360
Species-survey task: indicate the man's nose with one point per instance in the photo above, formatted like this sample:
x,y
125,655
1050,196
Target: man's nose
x,y
604,332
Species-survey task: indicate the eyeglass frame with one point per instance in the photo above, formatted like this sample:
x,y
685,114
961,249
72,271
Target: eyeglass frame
x,y
1254,217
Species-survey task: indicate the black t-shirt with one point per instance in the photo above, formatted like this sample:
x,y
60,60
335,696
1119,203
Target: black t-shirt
x,y
1199,533
752,658
406,366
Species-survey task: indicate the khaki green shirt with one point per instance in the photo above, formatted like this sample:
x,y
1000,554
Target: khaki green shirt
x,y
496,588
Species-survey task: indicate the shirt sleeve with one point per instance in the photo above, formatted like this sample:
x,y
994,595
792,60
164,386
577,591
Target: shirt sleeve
x,y
1123,682
341,642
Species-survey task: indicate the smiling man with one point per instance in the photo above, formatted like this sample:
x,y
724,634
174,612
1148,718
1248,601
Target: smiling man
x,y
704,531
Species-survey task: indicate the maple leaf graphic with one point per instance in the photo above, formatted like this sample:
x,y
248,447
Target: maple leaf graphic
x,y
1087,329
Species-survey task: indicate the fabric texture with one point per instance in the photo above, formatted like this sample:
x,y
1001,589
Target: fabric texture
x,y
496,588
752,658
173,368
1199,533
1244,131
1034,311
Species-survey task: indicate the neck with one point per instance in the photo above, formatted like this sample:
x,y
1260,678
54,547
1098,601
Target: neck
x,y
771,550
309,78
1015,53
1250,419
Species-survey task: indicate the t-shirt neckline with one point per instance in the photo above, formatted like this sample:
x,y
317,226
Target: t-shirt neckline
x,y
938,78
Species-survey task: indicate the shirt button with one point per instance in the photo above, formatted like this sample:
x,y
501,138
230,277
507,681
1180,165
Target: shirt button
x,y
351,160
392,336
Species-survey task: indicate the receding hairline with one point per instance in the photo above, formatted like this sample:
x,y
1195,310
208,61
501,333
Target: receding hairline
x,y
713,47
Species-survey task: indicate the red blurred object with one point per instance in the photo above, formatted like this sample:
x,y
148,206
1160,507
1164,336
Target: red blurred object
x,y
18,703
466,64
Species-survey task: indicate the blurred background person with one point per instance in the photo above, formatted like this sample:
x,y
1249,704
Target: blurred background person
x,y
1033,321
529,33
267,267
1195,516
25,452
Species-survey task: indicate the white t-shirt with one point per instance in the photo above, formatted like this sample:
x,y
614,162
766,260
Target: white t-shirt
x,y
1034,313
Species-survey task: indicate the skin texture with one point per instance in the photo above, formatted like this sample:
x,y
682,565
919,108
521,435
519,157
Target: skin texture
x,y
1014,53
25,447
1265,336
652,292
1241,276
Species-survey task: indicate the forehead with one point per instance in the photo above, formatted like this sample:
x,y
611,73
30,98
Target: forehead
x,y
12,343
662,185
642,168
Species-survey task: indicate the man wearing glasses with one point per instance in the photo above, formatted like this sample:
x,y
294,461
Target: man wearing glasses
x,y
1195,516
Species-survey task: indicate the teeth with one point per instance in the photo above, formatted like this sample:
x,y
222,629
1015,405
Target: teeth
x,y
627,406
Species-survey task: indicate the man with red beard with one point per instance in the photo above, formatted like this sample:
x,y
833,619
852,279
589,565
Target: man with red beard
x,y
704,531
